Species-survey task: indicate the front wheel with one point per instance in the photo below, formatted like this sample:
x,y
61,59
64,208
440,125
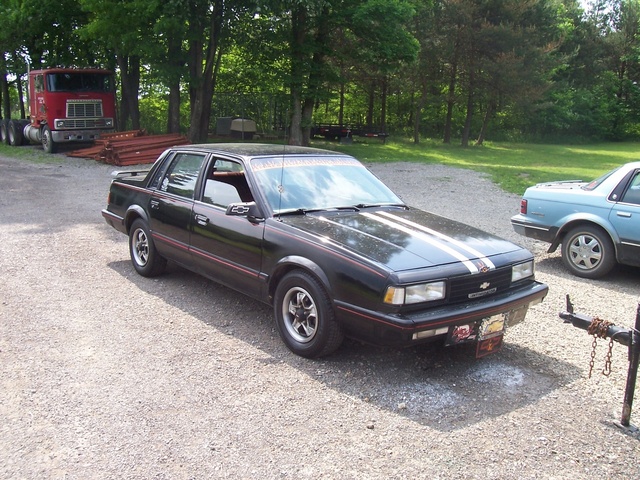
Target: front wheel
x,y
144,256
304,316
48,145
588,252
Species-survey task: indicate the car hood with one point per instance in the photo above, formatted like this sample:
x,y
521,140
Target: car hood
x,y
405,239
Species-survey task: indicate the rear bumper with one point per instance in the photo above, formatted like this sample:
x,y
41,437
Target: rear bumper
x,y
115,221
531,230
406,330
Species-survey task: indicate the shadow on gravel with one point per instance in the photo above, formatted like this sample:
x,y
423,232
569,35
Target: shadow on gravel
x,y
623,278
443,388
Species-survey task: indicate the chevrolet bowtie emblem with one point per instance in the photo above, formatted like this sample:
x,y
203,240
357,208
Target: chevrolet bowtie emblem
x,y
484,285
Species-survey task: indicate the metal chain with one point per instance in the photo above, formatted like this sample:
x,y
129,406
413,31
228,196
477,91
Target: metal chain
x,y
598,329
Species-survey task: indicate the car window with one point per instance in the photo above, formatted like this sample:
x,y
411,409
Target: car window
x,y
632,195
225,184
182,174
593,184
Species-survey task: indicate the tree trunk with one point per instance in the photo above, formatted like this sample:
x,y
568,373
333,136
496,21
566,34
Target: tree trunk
x,y
4,92
485,122
372,91
202,85
466,131
174,51
422,101
130,79
298,39
451,93
383,107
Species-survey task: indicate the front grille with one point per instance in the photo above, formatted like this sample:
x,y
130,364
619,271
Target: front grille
x,y
84,123
480,285
84,108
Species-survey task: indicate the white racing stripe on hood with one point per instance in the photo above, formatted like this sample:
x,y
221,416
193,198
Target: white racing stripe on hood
x,y
422,236
442,236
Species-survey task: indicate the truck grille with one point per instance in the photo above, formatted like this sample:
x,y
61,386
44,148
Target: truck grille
x,y
84,123
84,108
480,285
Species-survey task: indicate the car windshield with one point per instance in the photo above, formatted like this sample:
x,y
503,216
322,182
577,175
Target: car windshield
x,y
593,184
303,183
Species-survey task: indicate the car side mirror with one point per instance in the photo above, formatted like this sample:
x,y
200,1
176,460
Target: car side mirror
x,y
245,209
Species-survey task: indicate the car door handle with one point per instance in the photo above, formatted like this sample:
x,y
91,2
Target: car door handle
x,y
154,204
624,214
201,219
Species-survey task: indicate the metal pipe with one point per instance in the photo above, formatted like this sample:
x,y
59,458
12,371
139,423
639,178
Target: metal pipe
x,y
625,336
632,375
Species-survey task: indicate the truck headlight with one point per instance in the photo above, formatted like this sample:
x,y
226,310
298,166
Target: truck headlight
x,y
59,124
522,271
422,292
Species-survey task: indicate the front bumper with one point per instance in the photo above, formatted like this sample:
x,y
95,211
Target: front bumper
x,y
405,330
63,136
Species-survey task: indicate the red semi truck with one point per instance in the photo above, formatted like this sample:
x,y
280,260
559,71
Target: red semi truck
x,y
66,105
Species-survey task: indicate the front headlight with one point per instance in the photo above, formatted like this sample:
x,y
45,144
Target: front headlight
x,y
522,271
423,292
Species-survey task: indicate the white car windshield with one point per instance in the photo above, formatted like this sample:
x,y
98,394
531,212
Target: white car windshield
x,y
294,184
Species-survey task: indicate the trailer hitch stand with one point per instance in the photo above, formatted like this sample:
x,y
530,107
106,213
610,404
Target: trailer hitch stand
x,y
624,336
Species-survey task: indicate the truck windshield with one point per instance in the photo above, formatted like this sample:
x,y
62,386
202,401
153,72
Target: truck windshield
x,y
79,82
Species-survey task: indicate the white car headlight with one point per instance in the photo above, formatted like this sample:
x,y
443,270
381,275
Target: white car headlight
x,y
423,292
521,271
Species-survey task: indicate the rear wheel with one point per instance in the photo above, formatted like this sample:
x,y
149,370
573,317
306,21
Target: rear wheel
x,y
144,256
304,316
16,137
588,252
48,145
4,131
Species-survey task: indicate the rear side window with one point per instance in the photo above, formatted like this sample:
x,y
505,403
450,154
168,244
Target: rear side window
x,y
632,195
182,175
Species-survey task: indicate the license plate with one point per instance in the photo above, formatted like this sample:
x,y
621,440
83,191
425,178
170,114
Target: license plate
x,y
491,327
489,345
490,335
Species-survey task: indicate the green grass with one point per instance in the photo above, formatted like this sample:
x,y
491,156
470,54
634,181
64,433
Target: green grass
x,y
513,166
33,154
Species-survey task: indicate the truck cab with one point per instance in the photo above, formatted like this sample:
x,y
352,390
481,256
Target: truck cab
x,y
70,105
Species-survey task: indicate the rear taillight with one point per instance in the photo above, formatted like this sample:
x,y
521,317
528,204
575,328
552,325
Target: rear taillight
x,y
523,206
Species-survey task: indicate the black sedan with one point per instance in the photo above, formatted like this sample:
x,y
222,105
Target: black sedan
x,y
320,238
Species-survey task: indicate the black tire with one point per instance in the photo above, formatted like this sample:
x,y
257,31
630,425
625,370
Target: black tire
x,y
305,317
16,137
4,131
588,252
144,256
48,145
25,139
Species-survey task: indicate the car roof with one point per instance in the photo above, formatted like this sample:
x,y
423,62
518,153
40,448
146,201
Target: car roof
x,y
257,149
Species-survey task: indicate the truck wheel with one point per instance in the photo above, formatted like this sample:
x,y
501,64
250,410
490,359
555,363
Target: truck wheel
x,y
144,256
4,132
588,252
304,316
16,138
48,145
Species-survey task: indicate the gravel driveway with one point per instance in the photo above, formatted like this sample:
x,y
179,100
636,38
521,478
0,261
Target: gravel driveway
x,y
106,374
